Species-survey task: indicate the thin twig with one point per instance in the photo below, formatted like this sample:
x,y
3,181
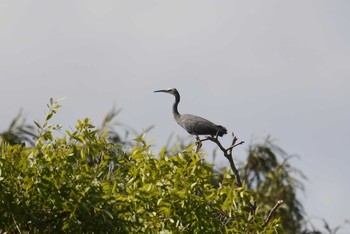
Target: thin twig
x,y
18,229
267,220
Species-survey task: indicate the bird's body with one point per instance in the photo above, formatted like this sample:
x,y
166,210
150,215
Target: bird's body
x,y
196,125
193,124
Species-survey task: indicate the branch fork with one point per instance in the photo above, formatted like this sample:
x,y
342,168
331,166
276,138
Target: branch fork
x,y
227,152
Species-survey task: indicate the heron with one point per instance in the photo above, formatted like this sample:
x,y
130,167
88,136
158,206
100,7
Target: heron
x,y
193,124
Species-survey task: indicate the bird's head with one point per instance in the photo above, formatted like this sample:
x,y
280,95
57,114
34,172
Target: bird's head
x,y
172,91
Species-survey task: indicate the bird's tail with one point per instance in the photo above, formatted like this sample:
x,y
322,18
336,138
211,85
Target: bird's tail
x,y
221,130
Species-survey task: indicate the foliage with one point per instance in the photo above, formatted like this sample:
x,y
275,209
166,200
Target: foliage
x,y
18,132
268,172
82,183
113,127
95,180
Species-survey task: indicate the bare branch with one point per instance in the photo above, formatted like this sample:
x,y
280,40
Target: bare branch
x,y
227,152
267,220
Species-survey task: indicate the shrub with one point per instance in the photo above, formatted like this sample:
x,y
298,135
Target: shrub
x,y
81,183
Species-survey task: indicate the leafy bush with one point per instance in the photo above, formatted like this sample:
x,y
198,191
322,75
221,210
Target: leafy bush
x,y
273,179
82,183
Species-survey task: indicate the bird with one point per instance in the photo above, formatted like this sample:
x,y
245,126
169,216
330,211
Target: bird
x,y
193,124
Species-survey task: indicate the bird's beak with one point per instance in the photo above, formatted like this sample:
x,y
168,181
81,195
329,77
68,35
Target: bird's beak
x,y
161,91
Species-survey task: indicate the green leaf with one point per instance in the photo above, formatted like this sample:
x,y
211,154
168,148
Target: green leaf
x,y
37,124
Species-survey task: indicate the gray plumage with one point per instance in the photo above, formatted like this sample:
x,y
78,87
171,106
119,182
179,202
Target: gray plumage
x,y
193,124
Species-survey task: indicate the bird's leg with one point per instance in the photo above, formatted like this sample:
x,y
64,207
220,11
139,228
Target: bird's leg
x,y
198,143
217,134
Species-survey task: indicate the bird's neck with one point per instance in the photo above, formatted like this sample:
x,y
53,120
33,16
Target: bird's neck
x,y
175,111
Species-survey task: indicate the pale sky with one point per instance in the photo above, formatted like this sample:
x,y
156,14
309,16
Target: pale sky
x,y
256,67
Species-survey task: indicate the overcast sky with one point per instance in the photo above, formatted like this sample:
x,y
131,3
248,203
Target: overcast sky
x,y
256,67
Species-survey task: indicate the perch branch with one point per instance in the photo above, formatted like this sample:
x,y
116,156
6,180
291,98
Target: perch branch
x,y
227,152
267,220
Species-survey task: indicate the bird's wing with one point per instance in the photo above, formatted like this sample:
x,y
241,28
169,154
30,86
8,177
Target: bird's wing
x,y
197,125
